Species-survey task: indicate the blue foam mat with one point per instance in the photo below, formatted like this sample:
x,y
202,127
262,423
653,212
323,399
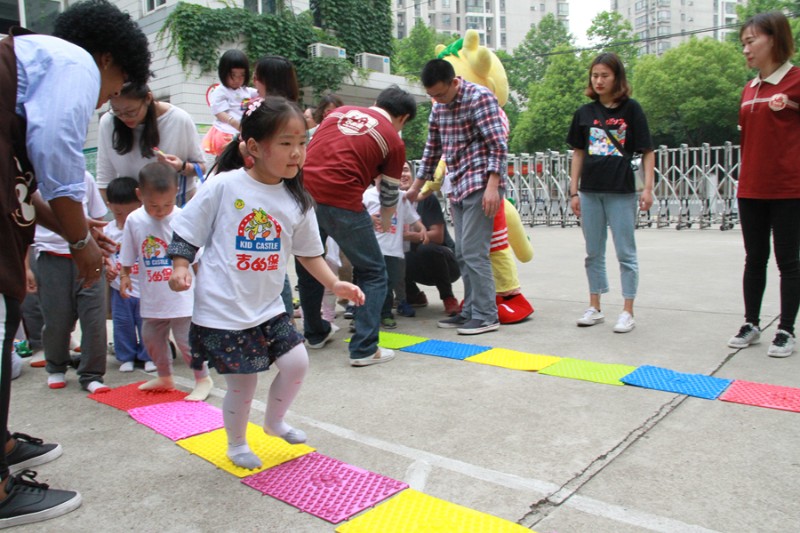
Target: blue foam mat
x,y
698,385
451,350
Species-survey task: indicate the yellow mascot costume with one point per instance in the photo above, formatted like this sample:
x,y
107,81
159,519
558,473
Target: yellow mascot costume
x,y
478,64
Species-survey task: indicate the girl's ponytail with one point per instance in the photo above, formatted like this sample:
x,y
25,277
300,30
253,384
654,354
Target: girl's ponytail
x,y
230,158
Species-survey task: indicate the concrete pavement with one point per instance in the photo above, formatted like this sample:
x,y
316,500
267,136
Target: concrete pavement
x,y
555,455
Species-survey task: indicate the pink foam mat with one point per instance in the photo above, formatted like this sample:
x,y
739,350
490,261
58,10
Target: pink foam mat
x,y
129,396
763,395
324,487
179,420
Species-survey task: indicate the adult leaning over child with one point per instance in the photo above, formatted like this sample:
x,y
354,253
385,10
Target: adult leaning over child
x,y
50,88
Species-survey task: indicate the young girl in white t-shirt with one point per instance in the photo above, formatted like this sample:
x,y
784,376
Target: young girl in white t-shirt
x,y
229,100
249,222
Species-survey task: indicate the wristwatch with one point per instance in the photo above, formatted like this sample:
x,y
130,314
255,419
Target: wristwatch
x,y
81,244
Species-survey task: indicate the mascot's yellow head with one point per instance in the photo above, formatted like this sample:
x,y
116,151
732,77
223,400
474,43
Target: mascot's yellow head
x,y
477,64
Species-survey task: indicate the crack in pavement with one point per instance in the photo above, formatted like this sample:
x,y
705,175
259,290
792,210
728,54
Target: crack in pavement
x,y
544,507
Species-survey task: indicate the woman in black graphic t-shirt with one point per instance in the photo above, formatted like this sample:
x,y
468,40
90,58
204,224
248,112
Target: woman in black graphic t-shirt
x,y
601,171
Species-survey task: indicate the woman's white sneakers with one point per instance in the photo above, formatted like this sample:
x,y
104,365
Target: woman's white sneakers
x,y
625,323
592,316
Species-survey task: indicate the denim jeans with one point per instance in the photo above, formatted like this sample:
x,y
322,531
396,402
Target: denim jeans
x,y
618,212
356,238
473,236
128,343
395,272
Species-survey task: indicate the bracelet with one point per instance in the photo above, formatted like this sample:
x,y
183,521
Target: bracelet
x,y
573,195
231,119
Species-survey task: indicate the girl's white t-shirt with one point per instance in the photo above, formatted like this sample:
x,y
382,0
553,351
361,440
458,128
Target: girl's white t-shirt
x,y
248,230
144,242
231,101
178,137
391,242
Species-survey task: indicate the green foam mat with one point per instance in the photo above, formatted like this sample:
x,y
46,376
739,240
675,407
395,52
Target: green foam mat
x,y
609,374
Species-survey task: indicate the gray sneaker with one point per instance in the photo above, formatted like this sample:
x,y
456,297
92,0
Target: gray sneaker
x,y
453,322
477,326
748,334
782,345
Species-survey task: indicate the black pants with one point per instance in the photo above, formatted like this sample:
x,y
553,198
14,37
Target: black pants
x,y
9,322
781,220
431,264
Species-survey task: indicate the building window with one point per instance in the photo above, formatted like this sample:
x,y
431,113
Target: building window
x,y
503,42
663,46
400,3
640,5
502,6
446,4
563,9
446,21
502,22
541,8
642,35
254,6
664,30
641,20
152,5
663,15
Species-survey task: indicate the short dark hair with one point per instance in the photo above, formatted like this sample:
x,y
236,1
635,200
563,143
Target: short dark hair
x,y
397,102
158,177
324,103
776,25
230,60
122,191
437,71
622,89
122,136
100,27
278,76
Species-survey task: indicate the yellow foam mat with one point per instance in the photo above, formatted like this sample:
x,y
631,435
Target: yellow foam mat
x,y
414,512
532,362
568,367
271,450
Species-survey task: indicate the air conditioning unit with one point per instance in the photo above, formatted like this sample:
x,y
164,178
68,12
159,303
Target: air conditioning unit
x,y
326,50
373,62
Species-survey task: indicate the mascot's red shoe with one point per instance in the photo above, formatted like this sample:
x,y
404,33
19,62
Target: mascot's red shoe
x,y
513,309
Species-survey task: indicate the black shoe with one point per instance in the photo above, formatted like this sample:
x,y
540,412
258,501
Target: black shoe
x,y
29,501
29,452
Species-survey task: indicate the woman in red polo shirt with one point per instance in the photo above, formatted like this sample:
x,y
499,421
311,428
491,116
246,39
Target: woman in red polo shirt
x,y
769,180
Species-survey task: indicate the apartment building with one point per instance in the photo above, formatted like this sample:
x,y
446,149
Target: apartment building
x,y
501,24
664,24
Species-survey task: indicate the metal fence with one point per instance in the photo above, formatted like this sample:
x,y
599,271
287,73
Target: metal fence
x,y
695,186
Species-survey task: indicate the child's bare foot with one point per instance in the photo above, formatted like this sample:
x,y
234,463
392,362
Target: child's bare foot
x,y
202,389
159,384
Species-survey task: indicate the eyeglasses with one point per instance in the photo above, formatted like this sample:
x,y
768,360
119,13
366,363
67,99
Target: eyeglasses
x,y
129,114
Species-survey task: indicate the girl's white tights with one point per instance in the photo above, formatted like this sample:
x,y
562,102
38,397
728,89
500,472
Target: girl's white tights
x,y
292,367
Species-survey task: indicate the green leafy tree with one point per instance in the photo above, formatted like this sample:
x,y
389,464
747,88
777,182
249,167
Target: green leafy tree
x,y
412,52
532,56
551,105
610,32
415,133
360,25
691,93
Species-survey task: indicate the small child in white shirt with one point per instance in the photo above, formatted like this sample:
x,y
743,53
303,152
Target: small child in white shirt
x,y
128,344
144,242
229,100
391,243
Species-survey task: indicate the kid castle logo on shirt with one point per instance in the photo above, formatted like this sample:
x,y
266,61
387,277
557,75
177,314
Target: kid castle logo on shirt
x,y
258,232
158,265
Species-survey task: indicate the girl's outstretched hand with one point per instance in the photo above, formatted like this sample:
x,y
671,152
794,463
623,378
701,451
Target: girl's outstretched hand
x,y
181,279
343,289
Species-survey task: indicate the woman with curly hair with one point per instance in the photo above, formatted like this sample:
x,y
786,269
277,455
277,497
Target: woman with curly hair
x,y
49,89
